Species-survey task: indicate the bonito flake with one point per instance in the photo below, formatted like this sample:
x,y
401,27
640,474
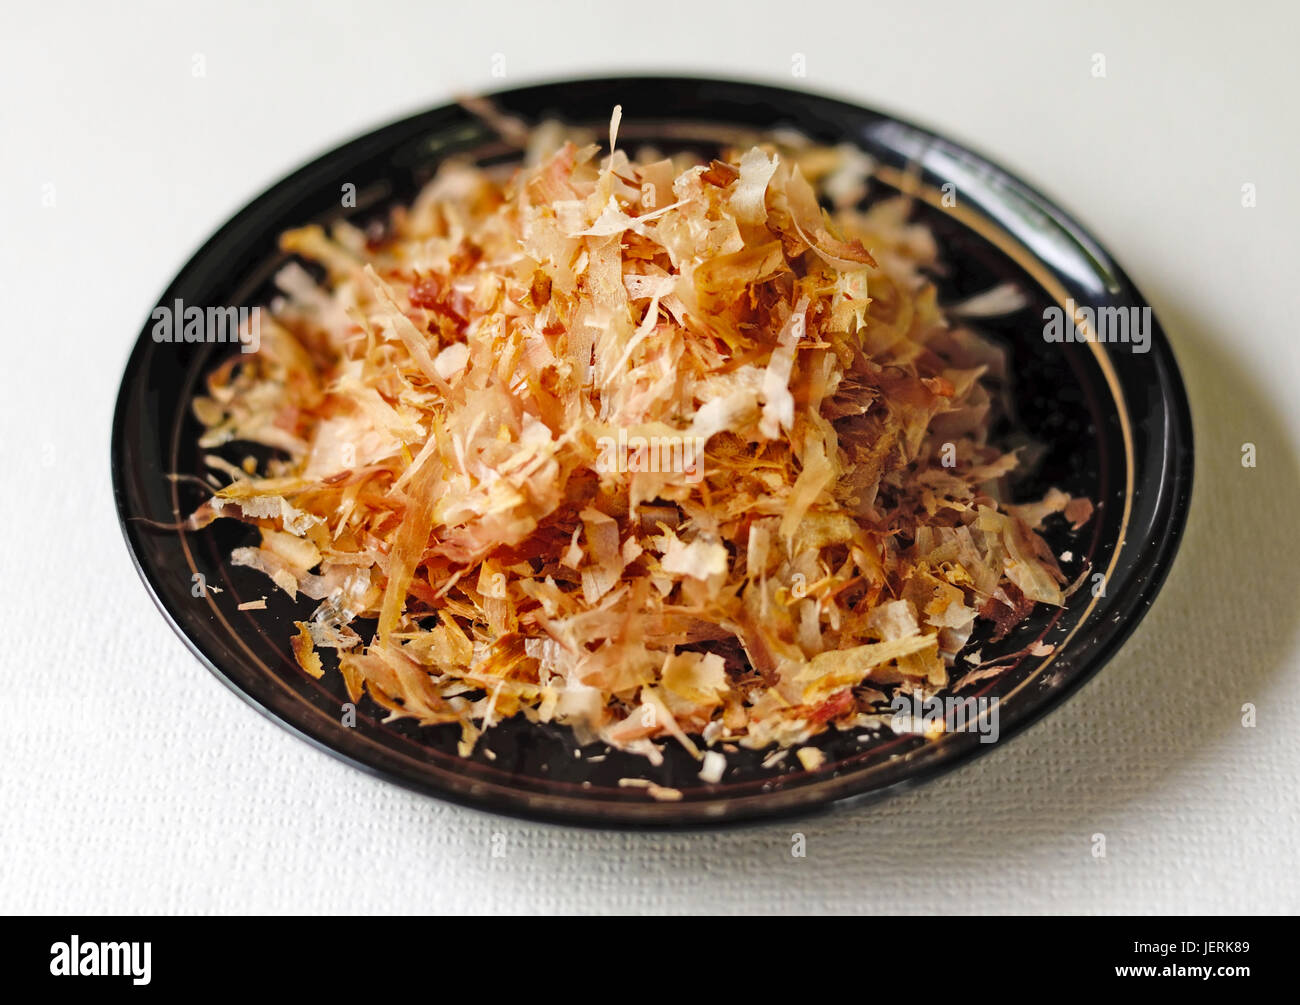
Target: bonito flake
x,y
658,449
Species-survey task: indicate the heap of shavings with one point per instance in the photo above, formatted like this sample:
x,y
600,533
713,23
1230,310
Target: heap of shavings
x,y
476,412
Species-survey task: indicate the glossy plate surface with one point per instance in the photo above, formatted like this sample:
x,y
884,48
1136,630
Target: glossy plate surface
x,y
1115,424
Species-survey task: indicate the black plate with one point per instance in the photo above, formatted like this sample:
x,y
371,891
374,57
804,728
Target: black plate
x,y
1115,423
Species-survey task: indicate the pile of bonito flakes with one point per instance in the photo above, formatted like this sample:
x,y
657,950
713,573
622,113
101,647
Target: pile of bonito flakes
x,y
655,448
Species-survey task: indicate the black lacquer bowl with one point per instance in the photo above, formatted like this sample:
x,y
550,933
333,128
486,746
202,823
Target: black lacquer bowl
x,y
1114,424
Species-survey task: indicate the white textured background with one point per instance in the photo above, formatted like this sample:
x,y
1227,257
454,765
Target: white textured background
x,y
131,781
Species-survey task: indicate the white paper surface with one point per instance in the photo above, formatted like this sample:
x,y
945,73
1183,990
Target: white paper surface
x,y
132,781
